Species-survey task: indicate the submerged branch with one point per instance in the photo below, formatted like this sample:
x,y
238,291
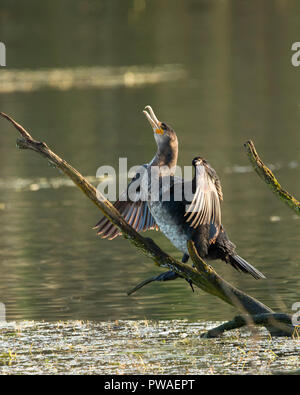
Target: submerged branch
x,y
250,307
202,275
266,319
268,177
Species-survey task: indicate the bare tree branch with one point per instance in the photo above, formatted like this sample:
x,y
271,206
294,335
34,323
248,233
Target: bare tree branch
x,y
268,177
268,319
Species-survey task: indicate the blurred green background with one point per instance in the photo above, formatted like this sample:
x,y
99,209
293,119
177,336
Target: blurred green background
x,y
219,72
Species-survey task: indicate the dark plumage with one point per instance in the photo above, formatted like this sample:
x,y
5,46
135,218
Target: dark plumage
x,y
196,217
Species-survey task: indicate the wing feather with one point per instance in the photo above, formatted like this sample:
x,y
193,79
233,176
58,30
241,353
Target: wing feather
x,y
205,206
135,212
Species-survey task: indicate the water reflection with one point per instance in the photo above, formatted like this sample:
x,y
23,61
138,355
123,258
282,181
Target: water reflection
x,y
239,84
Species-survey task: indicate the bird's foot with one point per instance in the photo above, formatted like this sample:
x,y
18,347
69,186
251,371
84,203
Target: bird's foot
x,y
191,284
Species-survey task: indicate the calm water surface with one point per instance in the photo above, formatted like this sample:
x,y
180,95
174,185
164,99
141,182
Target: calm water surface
x,y
237,83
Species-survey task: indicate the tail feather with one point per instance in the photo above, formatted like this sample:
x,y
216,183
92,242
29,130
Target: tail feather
x,y
241,265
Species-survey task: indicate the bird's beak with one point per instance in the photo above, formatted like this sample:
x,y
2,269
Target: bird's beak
x,y
154,122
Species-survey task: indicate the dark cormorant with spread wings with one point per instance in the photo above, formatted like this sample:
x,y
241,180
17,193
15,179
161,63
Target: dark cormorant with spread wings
x,y
195,217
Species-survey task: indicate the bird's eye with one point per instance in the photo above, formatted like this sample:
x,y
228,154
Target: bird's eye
x,y
163,126
197,161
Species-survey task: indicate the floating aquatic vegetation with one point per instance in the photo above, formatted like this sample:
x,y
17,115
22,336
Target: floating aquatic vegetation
x,y
275,218
87,77
140,347
248,169
35,184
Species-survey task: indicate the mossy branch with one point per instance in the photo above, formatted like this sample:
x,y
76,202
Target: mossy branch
x,y
202,275
268,177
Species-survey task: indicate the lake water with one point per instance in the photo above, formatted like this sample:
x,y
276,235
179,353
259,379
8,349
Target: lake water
x,y
219,72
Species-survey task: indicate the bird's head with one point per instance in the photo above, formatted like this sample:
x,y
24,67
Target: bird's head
x,y
166,140
198,161
164,135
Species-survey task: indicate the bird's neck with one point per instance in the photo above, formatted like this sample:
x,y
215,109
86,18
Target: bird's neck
x,y
166,159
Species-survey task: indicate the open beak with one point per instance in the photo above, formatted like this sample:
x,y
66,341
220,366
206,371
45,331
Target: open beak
x,y
154,122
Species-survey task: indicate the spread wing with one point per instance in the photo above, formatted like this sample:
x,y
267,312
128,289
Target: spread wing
x,y
205,206
135,212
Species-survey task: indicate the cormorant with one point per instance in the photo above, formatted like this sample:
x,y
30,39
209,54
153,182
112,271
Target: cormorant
x,y
197,218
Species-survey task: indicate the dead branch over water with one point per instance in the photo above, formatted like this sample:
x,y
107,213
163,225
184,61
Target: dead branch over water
x,y
268,177
202,275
